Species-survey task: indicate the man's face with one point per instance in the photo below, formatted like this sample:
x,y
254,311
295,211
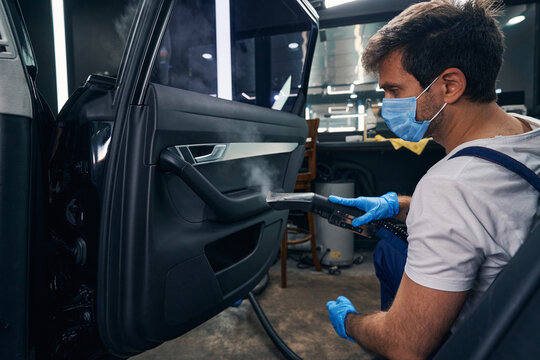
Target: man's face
x,y
395,81
398,83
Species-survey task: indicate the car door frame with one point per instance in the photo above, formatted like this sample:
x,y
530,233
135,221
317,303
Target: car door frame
x,y
133,81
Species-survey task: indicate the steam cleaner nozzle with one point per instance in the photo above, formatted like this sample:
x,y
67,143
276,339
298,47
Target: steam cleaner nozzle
x,y
336,214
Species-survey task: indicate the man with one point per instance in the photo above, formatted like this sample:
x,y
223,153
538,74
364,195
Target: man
x,y
438,62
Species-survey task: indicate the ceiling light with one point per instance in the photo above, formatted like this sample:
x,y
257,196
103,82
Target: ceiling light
x,y
345,116
341,129
223,49
516,20
340,90
59,32
293,45
331,3
207,56
338,109
498,91
354,96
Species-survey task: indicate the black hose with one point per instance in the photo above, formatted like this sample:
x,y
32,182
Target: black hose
x,y
280,344
367,181
393,228
261,286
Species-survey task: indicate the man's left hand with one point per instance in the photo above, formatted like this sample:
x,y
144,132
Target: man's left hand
x,y
338,311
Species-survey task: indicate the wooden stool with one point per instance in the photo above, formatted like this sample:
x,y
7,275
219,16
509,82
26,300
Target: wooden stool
x,y
303,182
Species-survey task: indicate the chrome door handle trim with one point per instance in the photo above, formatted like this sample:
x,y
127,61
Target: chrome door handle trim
x,y
234,151
217,153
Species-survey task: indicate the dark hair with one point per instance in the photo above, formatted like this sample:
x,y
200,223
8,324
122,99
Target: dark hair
x,y
441,34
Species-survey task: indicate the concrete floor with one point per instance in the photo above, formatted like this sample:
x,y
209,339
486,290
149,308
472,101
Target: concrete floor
x,y
298,313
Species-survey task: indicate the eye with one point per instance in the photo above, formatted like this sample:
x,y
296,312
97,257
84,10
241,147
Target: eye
x,y
393,92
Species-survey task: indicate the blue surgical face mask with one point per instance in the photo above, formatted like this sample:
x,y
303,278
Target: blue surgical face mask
x,y
400,116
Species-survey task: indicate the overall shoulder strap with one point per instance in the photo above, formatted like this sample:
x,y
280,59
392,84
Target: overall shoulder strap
x,y
503,160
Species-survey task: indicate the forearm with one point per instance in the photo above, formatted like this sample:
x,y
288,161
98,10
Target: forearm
x,y
367,330
404,204
377,334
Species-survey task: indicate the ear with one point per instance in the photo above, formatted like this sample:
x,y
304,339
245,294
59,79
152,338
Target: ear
x,y
454,83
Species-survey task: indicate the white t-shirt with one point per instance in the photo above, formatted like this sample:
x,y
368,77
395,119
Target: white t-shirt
x,y
469,216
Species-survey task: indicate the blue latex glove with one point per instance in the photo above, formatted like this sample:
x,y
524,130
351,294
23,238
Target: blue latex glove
x,y
376,208
237,303
337,311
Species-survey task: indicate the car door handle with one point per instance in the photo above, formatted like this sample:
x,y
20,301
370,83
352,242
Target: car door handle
x,y
218,151
225,208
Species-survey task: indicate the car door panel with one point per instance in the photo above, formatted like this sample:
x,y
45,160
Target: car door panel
x,y
238,202
257,144
174,237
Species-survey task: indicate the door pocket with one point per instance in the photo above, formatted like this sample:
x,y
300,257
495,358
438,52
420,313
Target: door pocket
x,y
231,249
232,278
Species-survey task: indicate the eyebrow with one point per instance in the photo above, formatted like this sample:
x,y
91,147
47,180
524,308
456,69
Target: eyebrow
x,y
388,85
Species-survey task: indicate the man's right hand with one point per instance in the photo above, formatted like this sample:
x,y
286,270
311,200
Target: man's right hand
x,y
376,208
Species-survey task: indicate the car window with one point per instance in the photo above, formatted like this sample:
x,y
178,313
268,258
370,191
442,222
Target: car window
x,y
97,49
26,52
256,55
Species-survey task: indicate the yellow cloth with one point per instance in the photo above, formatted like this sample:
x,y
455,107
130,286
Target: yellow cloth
x,y
415,147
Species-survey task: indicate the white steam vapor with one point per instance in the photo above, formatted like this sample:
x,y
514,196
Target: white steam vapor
x,y
122,24
259,173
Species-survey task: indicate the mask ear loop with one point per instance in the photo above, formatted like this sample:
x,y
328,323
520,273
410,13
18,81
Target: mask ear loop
x,y
438,112
427,88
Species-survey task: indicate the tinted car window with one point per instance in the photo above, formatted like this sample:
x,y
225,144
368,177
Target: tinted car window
x,y
97,33
258,52
27,55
